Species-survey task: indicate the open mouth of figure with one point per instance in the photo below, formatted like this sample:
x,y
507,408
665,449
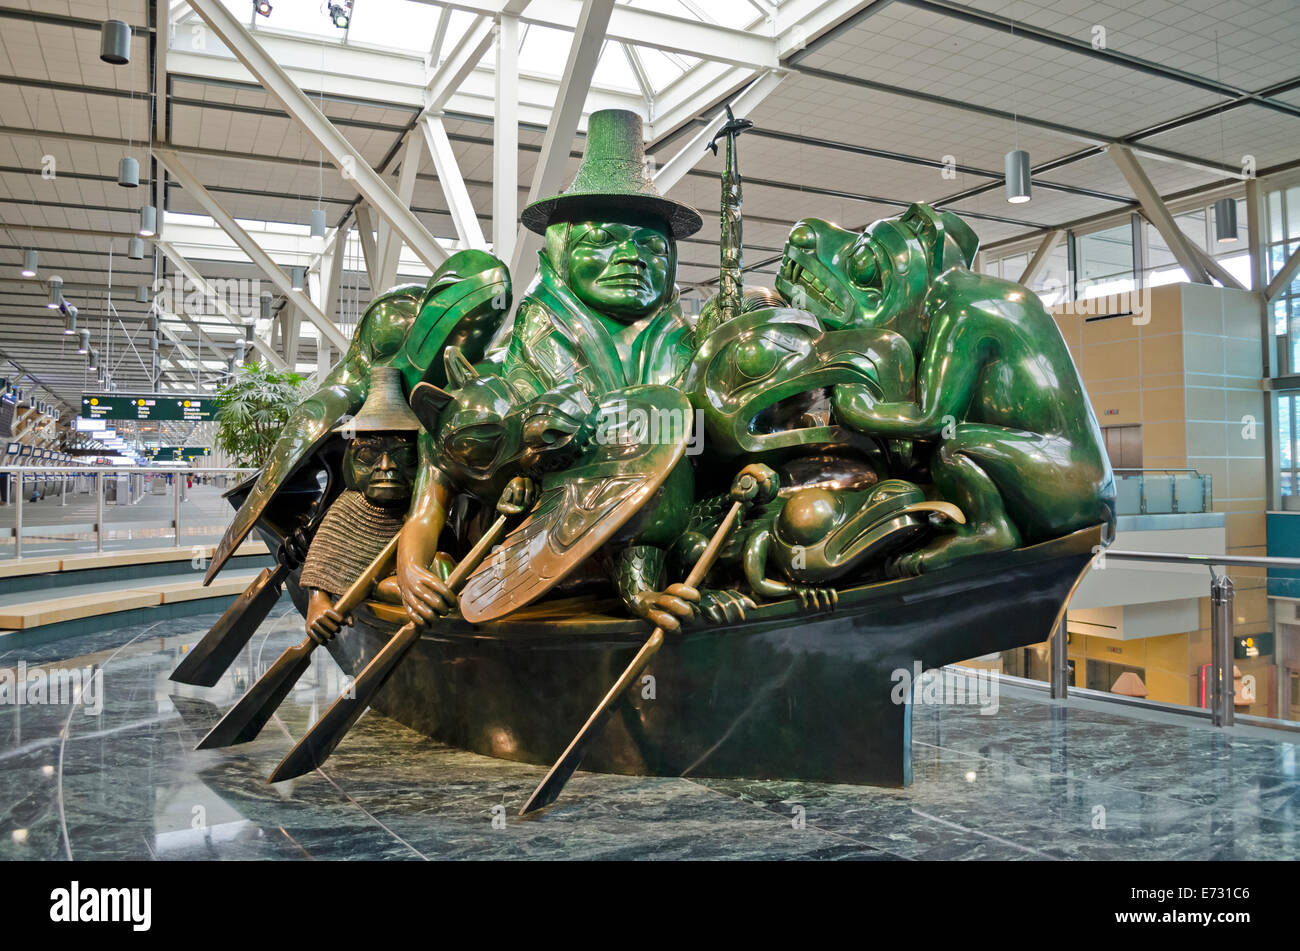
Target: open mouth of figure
x,y
795,275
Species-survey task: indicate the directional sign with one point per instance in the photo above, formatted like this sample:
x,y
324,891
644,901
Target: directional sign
x,y
172,453
125,406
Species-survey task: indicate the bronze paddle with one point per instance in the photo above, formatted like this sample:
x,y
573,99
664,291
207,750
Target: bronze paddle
x,y
246,718
553,784
315,747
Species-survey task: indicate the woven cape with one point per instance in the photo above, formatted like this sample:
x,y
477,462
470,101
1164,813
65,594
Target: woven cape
x,y
351,535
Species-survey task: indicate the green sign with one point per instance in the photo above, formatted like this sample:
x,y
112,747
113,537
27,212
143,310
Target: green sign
x,y
172,453
125,406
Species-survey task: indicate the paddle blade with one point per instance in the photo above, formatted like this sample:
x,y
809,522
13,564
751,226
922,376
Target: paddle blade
x,y
553,783
212,656
315,747
246,718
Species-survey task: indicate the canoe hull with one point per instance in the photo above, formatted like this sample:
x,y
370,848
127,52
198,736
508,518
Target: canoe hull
x,y
784,695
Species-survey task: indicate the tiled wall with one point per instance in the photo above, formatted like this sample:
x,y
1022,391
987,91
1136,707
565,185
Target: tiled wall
x,y
1189,372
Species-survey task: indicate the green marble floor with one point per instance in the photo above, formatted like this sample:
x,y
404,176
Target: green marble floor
x,y
115,776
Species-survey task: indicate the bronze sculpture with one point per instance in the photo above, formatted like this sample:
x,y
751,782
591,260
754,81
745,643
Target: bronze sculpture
x,y
862,498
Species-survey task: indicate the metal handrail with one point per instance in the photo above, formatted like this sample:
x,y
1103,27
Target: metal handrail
x,y
1174,557
1222,594
1197,471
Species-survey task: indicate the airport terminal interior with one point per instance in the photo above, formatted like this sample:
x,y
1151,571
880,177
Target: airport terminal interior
x,y
965,526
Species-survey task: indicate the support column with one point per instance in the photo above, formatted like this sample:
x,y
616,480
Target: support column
x,y
552,162
505,143
1060,661
1222,594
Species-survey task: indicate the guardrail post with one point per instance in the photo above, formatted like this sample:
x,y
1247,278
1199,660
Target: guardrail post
x,y
176,508
1221,605
99,511
1060,662
18,518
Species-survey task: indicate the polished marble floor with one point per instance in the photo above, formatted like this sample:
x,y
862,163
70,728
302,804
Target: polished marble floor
x,y
115,776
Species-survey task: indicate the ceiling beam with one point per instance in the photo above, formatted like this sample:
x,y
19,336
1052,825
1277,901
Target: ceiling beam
x,y
688,156
204,288
368,183
1154,210
195,189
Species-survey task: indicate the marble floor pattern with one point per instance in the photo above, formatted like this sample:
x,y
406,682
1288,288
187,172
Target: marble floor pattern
x,y
1038,780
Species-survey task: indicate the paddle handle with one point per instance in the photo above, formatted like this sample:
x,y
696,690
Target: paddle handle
x,y
552,784
360,589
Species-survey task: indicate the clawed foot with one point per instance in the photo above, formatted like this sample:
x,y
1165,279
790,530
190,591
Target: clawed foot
x,y
725,606
816,599
681,603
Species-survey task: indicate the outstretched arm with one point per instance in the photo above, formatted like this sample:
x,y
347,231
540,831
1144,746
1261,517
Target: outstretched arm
x,y
424,595
949,367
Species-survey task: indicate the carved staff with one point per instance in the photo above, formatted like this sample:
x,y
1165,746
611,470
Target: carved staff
x,y
552,784
731,280
246,718
317,744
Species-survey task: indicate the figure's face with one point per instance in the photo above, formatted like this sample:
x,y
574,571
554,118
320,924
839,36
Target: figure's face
x,y
873,279
381,466
620,270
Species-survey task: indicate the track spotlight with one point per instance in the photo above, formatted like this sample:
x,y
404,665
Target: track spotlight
x,y
262,7
341,13
29,263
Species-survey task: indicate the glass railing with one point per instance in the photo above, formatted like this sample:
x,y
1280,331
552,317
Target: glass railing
x,y
63,510
1162,491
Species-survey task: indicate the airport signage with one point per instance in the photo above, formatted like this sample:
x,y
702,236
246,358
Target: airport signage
x,y
139,407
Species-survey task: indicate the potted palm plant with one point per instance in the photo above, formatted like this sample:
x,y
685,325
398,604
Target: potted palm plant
x,y
252,408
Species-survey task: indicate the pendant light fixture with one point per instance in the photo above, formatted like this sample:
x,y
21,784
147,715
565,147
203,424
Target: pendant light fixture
x,y
29,263
135,248
115,42
83,341
142,295
1225,220
1225,209
148,221
1019,178
92,363
128,172
318,222
56,293
299,276
70,320
265,302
